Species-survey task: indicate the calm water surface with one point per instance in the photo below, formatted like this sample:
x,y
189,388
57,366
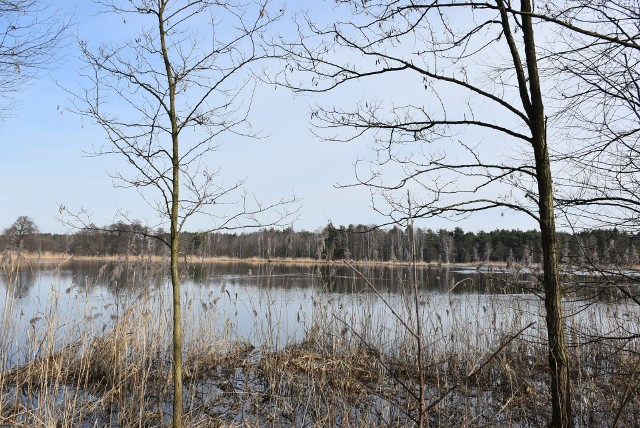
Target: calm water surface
x,y
273,303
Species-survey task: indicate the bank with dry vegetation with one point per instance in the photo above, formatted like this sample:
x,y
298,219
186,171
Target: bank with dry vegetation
x,y
483,361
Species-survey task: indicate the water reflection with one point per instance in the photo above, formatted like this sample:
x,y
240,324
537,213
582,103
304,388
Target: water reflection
x,y
241,294
130,277
20,284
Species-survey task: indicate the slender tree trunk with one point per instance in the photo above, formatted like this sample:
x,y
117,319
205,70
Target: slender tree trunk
x,y
177,317
175,231
175,283
556,332
416,306
558,358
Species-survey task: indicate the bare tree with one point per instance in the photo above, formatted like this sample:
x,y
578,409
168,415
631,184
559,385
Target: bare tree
x,y
22,229
469,133
30,33
446,241
164,99
600,96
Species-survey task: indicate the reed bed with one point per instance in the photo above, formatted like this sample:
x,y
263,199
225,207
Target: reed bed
x,y
484,360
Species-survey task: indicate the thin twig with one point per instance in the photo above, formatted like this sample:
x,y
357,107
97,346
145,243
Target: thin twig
x,y
386,303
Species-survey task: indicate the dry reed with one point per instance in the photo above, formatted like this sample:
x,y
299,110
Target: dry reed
x,y
484,360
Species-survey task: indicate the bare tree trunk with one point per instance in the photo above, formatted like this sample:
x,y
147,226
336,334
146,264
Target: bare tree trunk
x,y
556,332
416,307
558,358
177,325
175,232
175,282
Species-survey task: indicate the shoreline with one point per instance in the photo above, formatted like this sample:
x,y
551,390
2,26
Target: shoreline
x,y
62,258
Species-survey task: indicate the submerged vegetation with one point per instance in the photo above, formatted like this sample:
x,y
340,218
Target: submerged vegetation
x,y
355,363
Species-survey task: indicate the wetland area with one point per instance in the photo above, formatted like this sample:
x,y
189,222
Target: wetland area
x,y
88,343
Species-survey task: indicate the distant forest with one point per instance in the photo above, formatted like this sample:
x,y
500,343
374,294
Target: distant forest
x,y
361,242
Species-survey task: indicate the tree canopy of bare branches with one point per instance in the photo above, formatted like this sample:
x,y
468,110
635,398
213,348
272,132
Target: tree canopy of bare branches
x,y
468,112
30,33
600,98
166,99
23,228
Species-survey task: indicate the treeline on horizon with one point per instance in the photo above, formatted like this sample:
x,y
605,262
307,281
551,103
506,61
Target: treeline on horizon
x,y
354,242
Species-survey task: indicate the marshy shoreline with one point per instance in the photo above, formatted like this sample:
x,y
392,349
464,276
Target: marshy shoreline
x,y
480,361
60,258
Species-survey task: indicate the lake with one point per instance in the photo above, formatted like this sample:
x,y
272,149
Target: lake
x,y
276,304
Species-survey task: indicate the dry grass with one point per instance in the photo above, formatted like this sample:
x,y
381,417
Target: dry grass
x,y
57,258
352,368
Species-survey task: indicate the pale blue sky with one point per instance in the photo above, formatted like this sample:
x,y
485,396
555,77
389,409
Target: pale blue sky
x,y
43,166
